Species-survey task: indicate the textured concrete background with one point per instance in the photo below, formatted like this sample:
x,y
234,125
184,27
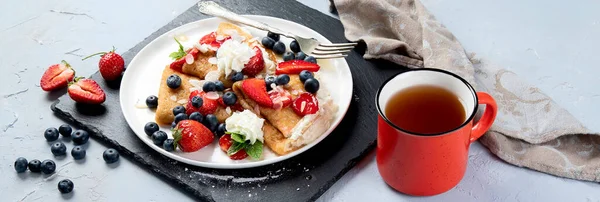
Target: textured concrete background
x,y
553,46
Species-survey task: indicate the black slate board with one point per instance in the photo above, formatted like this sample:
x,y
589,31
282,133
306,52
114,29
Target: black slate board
x,y
302,178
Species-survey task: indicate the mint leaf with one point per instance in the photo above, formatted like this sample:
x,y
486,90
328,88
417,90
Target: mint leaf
x,y
235,147
254,150
237,137
179,53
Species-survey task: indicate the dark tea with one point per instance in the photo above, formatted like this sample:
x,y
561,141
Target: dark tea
x,y
425,110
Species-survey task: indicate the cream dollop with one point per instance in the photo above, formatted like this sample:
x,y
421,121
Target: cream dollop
x,y
247,124
232,56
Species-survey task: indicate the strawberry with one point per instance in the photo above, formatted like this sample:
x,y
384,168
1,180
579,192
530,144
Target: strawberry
x,y
236,107
191,136
225,142
211,39
295,67
209,106
255,65
86,91
111,64
256,90
57,76
180,57
281,98
305,104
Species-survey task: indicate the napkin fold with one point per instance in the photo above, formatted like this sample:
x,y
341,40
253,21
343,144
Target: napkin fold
x,y
530,130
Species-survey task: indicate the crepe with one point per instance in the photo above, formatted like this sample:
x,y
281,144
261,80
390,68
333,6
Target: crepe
x,y
169,98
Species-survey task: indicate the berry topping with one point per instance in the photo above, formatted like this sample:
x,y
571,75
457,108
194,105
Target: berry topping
x,y
51,134
305,104
300,55
196,116
48,166
57,76
256,63
279,48
58,149
282,79
225,143
311,59
288,56
180,117
197,101
65,130
256,90
181,56
268,81
209,86
237,76
281,98
150,128
86,91
178,110
295,67
191,136
211,122
169,145
311,85
174,81
35,166
152,101
21,165
305,74
159,137
273,36
78,152
267,42
209,106
229,98
219,86
221,129
294,46
110,155
211,39
65,186
111,64
80,137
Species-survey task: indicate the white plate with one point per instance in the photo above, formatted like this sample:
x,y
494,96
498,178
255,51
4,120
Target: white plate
x,y
143,75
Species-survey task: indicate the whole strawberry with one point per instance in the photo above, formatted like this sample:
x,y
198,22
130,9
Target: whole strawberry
x,y
192,136
86,91
111,64
57,76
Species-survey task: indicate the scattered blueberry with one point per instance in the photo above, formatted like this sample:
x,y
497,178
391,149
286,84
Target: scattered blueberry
x,y
209,86
219,86
282,79
174,81
268,42
65,186
211,122
48,166
294,46
268,81
229,98
21,165
80,137
159,137
169,145
197,101
51,134
35,166
150,128
65,130
288,56
110,155
311,85
58,149
279,48
300,55
78,152
180,117
196,116
273,36
237,76
152,101
311,59
221,129
305,74
178,110
173,124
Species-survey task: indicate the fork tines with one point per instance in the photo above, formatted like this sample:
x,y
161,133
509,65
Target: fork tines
x,y
324,51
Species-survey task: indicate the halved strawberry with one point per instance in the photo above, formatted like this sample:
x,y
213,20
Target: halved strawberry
x,y
192,136
225,142
86,91
280,97
255,65
256,90
211,39
177,65
209,106
305,104
57,76
295,67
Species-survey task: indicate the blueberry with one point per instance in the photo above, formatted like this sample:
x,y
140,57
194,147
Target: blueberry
x,y
197,101
300,56
267,42
196,116
21,165
152,101
311,59
268,81
311,85
173,124
80,137
35,166
78,152
159,137
65,130
305,74
282,79
219,86
48,166
178,110
237,76
209,86
229,98
65,186
174,81
169,145
58,149
279,48
294,46
180,117
110,155
288,56
51,134
273,36
211,122
150,128
221,129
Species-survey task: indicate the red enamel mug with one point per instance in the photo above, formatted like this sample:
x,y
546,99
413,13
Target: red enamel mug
x,y
425,165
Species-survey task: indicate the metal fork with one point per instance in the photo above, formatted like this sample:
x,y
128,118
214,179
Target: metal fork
x,y
308,45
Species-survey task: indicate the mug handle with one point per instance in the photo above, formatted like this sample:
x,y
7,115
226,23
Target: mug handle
x,y
489,115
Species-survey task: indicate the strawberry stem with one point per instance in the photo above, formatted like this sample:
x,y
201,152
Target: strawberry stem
x,y
89,56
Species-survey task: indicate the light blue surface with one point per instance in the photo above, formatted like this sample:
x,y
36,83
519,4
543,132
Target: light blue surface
x,y
554,47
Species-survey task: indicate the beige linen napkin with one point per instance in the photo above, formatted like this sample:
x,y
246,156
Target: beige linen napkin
x,y
531,130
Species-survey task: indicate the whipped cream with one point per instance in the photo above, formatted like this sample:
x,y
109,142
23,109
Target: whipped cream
x,y
232,56
247,124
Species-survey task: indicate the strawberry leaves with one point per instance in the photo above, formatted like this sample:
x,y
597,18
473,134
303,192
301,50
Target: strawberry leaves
x,y
253,150
176,136
179,53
